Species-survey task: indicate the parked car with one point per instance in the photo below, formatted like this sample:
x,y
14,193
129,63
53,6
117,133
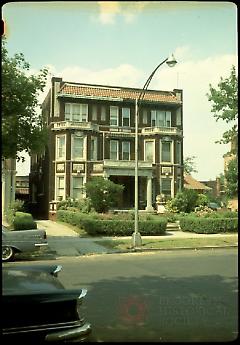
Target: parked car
x,y
37,307
214,206
21,241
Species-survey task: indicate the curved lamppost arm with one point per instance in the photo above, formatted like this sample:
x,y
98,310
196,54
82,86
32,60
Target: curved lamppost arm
x,y
136,237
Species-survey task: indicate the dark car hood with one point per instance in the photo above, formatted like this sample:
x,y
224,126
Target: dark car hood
x,y
20,280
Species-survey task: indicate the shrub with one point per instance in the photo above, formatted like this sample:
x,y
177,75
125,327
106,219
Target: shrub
x,y
123,227
83,205
24,221
94,225
185,201
103,193
208,225
16,205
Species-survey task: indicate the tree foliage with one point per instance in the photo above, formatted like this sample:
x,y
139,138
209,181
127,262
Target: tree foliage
x,y
103,193
225,104
185,201
231,176
189,165
22,126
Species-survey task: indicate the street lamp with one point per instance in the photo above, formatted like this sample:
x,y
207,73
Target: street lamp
x,y
171,62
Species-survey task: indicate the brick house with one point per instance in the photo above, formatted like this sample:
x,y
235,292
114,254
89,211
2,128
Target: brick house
x,y
92,133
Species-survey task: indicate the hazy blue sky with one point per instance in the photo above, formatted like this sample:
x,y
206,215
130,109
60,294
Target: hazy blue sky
x,y
120,43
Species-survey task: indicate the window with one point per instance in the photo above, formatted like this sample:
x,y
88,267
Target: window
x,y
160,118
60,147
77,187
76,112
60,186
77,147
114,149
178,152
103,113
126,117
145,117
126,150
178,117
149,151
113,116
94,113
166,151
166,186
94,149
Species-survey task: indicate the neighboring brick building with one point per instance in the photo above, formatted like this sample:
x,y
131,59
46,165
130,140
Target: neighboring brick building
x,y
92,133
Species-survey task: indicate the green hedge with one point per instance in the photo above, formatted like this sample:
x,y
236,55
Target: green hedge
x,y
24,221
209,225
94,226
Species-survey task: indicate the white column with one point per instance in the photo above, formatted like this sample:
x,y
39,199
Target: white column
x,y
149,207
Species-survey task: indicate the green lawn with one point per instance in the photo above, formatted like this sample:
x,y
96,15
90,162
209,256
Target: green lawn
x,y
171,243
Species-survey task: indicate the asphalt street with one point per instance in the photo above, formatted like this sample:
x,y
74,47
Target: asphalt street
x,y
171,296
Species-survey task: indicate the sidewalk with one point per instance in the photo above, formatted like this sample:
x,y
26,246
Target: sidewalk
x,y
66,242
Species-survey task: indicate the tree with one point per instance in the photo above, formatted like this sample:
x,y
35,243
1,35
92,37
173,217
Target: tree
x,y
103,193
189,165
231,176
22,127
225,104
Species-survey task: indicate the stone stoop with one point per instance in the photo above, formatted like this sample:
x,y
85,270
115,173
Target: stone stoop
x,y
173,226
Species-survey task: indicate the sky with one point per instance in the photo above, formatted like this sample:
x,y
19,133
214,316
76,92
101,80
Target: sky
x,y
121,43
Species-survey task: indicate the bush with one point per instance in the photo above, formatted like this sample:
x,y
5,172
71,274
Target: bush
x,y
103,193
184,201
16,205
24,221
123,227
208,225
94,225
82,205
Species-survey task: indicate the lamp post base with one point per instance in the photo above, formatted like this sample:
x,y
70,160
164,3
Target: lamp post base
x,y
136,239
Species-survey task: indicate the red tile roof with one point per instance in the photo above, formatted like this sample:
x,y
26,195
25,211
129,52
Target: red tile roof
x,y
115,92
191,183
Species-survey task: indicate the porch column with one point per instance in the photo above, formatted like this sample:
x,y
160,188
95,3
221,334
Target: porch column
x,y
149,207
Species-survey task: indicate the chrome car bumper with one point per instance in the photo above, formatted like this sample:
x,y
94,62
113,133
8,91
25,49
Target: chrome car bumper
x,y
70,334
40,244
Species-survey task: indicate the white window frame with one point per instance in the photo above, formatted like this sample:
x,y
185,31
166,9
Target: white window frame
x,y
171,185
80,188
57,180
117,151
58,138
126,151
83,115
93,149
114,116
161,151
161,118
145,151
73,137
126,116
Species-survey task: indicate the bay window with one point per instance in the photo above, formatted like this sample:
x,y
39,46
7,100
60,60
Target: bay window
x,y
160,118
76,112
